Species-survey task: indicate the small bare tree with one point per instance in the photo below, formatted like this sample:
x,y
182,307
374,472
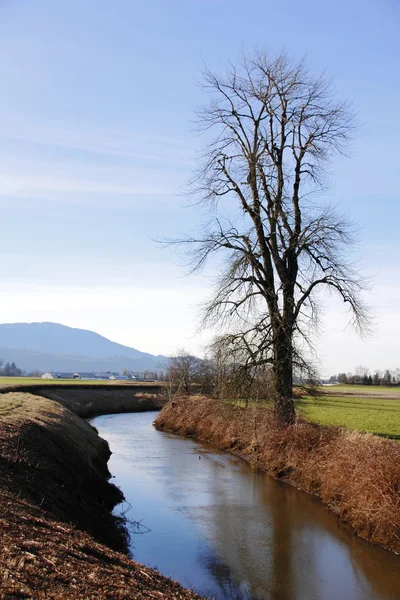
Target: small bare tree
x,y
275,129
183,370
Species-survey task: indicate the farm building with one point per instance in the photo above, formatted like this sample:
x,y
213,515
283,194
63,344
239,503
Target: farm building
x,y
88,376
60,376
74,376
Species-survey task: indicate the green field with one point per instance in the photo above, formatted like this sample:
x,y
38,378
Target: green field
x,y
375,415
371,390
373,409
7,381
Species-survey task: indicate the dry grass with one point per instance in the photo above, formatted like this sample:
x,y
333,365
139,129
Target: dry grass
x,y
19,405
54,459
356,475
45,559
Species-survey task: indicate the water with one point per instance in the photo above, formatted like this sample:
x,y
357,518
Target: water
x,y
231,532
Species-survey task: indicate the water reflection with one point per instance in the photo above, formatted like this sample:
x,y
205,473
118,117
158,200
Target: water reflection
x,y
230,531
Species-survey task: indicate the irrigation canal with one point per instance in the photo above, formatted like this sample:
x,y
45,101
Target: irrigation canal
x,y
231,532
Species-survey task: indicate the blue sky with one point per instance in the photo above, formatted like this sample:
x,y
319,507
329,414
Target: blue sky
x,y
97,141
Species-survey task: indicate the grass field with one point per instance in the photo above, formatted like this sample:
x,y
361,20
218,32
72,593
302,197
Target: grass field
x,y
373,409
367,388
355,390
7,381
375,415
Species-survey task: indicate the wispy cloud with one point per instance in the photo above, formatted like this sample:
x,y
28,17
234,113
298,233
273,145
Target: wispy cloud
x,y
45,162
74,189
132,145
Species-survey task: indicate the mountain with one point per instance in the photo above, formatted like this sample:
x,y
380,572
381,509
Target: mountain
x,y
56,347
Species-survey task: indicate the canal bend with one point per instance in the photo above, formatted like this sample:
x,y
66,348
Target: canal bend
x,y
229,531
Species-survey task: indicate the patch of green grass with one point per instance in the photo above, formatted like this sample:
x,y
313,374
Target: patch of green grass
x,y
20,380
380,416
7,381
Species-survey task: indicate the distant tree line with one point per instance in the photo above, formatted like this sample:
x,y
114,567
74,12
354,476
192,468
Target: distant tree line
x,y
362,376
9,369
224,375
143,375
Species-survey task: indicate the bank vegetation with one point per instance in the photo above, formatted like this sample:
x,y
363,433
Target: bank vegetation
x,y
357,476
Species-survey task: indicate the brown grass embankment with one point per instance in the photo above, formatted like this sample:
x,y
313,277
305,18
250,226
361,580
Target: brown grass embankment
x,y
54,459
87,400
357,476
55,511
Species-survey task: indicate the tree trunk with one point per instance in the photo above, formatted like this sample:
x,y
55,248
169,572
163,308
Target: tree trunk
x,y
283,372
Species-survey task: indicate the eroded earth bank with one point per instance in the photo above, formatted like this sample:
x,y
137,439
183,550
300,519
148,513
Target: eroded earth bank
x,y
58,537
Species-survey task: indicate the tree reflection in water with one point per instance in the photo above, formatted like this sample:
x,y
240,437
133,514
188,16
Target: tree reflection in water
x,y
284,545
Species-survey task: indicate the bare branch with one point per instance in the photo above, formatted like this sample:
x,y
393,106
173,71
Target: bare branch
x,y
275,127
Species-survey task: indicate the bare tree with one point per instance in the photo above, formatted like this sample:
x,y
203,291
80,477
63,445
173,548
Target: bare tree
x,y
232,376
274,128
183,370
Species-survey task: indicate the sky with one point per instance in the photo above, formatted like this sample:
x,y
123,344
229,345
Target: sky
x,y
97,142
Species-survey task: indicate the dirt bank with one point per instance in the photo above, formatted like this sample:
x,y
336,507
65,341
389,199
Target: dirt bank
x,y
55,511
88,400
357,476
